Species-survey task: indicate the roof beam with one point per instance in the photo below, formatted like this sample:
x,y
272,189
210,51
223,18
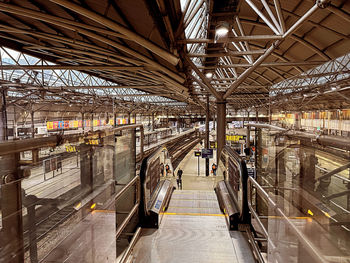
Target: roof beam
x,y
230,39
69,67
121,29
230,53
268,64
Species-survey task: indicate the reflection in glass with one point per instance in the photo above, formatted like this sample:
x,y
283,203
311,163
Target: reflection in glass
x,y
297,174
57,202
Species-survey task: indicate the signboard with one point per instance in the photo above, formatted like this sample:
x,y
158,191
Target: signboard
x,y
61,125
197,154
207,153
49,125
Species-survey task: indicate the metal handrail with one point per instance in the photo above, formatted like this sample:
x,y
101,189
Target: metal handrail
x,y
314,252
131,246
136,181
9,147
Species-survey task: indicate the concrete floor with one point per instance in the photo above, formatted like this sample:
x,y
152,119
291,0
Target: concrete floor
x,y
190,178
193,229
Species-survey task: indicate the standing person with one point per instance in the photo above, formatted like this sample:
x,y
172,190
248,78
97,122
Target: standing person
x,y
213,168
162,169
167,169
179,179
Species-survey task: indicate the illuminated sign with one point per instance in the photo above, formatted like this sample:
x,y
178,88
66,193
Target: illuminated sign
x,y
49,125
94,141
197,154
71,149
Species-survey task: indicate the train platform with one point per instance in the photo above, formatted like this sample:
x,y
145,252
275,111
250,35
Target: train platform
x,y
191,179
192,230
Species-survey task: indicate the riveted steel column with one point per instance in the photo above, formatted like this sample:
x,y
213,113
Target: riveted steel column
x,y
153,125
82,121
248,137
32,123
221,126
92,121
206,144
3,116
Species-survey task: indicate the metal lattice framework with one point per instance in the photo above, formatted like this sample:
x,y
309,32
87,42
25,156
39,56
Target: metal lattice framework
x,y
126,52
248,66
27,78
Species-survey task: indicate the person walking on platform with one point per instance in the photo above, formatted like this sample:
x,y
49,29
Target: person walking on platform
x,y
167,169
213,168
179,179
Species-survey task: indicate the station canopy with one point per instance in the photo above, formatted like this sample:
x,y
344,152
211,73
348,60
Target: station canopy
x,y
172,55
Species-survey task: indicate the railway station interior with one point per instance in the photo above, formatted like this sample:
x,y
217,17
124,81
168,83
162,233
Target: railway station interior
x,y
149,131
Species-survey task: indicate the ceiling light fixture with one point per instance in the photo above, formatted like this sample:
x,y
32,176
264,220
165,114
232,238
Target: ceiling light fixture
x,y
209,75
222,29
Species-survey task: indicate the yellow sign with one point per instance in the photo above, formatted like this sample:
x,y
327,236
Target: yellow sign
x,y
71,149
234,138
92,142
49,125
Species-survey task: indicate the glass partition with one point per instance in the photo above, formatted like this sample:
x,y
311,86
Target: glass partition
x,y
57,202
306,210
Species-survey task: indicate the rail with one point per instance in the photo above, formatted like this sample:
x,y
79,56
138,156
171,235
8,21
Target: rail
x,y
131,246
134,181
313,251
10,147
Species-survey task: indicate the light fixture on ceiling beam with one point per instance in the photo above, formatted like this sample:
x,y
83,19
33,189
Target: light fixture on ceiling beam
x,y
209,75
221,30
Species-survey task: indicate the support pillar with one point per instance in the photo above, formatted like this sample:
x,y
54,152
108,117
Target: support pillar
x,y
167,119
32,122
35,152
221,127
256,116
3,116
115,119
92,121
153,124
214,121
206,143
129,118
248,137
83,121
298,121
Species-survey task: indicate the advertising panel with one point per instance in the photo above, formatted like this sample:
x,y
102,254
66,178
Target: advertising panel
x,y
61,125
49,125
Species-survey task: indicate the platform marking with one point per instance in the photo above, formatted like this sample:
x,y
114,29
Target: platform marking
x,y
189,207
103,211
212,200
192,214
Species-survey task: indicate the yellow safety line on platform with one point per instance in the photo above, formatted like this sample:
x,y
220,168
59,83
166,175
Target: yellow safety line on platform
x,y
103,211
190,207
292,217
194,199
191,214
194,192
